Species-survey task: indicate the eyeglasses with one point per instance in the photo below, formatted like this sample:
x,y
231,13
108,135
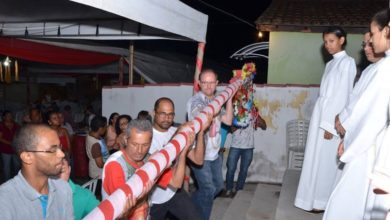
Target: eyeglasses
x,y
53,149
364,44
208,83
165,115
132,144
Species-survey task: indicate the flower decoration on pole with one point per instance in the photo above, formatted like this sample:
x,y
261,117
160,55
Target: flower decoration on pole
x,y
245,109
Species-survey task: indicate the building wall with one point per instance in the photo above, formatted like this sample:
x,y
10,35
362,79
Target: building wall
x,y
297,58
278,105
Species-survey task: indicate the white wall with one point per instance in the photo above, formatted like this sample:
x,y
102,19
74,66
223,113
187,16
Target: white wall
x,y
278,104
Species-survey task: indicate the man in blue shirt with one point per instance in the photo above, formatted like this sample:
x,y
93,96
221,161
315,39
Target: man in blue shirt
x,y
34,193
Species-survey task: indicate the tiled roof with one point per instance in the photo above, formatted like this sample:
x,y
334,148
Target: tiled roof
x,y
312,16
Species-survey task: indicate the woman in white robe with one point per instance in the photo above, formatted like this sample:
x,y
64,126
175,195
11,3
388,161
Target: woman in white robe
x,y
320,161
365,125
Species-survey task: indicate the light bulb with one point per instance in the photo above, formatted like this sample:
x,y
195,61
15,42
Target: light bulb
x,y
260,34
6,61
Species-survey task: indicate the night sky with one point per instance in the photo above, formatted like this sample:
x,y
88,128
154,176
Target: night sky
x,y
225,35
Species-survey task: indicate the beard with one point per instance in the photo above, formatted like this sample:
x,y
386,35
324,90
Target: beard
x,y
165,124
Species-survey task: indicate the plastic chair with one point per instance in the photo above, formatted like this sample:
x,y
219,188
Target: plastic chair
x,y
91,185
296,135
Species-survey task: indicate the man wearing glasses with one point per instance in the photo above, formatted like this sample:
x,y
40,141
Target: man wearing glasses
x,y
36,193
209,176
167,197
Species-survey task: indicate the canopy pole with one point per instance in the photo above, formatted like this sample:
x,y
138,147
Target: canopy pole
x,y
198,67
131,63
28,87
121,67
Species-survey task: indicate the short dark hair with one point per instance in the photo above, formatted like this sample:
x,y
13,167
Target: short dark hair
x,y
98,122
27,137
49,114
5,112
144,115
336,30
208,71
117,126
112,116
158,101
141,125
382,18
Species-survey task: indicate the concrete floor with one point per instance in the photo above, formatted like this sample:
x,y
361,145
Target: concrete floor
x,y
263,202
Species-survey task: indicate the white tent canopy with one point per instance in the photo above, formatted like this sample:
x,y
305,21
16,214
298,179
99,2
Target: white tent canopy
x,y
102,19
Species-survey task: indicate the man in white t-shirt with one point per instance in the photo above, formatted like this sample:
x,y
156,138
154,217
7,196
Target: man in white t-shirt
x,y
169,198
209,176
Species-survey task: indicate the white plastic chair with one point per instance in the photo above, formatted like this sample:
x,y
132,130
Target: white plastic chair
x,y
91,185
296,132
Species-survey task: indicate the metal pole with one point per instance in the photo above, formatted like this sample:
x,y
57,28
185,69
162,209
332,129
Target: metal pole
x,y
131,64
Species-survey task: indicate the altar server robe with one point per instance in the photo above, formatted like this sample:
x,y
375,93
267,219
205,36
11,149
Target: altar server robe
x,y
320,160
365,126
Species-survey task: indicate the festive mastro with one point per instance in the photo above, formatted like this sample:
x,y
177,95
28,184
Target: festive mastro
x,y
113,205
245,108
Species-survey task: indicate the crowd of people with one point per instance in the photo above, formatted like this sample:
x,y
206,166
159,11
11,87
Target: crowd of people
x,y
116,148
347,144
346,155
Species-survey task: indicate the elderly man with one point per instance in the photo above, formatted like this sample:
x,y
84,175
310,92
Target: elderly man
x,y
209,176
123,164
33,194
169,198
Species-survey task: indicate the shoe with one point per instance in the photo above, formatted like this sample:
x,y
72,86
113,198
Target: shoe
x,y
228,194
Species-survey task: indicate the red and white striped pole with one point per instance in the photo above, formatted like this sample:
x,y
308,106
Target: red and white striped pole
x,y
113,205
198,67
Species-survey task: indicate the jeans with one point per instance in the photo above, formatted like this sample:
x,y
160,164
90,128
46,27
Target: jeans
x,y
231,163
210,183
10,165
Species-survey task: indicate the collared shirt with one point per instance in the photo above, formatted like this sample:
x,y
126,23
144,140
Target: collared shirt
x,y
19,200
213,136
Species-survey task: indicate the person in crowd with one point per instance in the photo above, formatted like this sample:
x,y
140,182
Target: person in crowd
x,y
96,151
68,116
120,128
319,170
33,193
84,201
111,133
170,198
54,122
89,114
34,116
123,164
66,125
209,175
8,129
363,123
241,148
144,115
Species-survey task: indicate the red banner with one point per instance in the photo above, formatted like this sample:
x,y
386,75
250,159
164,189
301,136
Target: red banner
x,y
44,53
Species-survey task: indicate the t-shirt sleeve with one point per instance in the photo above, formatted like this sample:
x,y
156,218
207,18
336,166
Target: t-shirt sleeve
x,y
91,202
165,178
113,177
96,151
